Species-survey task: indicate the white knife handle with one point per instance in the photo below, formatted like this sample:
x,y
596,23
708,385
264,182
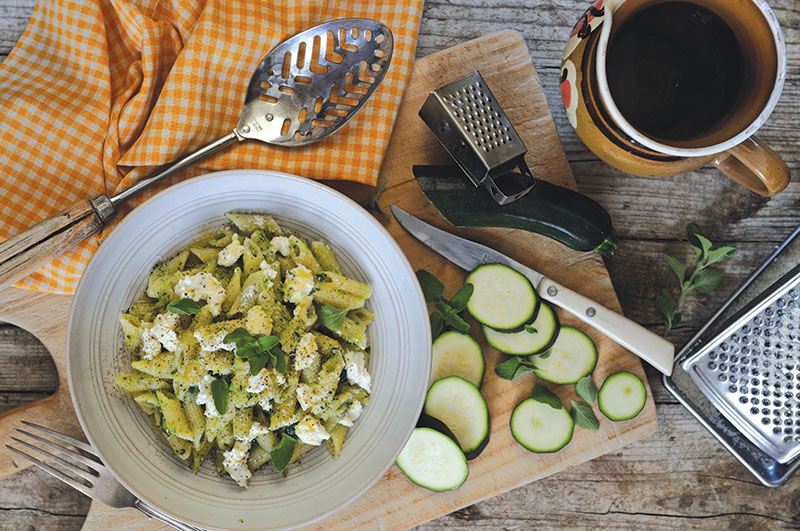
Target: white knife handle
x,y
651,347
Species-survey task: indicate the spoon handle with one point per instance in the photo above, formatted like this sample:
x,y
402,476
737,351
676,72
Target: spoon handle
x,y
27,251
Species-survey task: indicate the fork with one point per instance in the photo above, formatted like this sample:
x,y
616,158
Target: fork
x,y
78,466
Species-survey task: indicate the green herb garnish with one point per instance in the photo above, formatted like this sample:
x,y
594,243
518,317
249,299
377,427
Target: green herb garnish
x,y
514,368
446,313
219,392
257,352
282,453
184,307
583,416
332,318
541,394
530,329
586,389
704,278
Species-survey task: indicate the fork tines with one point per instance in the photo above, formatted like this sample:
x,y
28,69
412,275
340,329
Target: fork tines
x,y
72,461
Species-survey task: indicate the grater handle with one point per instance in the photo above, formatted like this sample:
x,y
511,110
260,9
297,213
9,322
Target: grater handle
x,y
649,346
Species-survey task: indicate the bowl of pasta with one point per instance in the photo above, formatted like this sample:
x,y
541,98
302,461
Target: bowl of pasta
x,y
248,350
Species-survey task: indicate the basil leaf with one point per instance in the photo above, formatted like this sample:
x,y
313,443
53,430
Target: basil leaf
x,y
332,318
278,359
707,280
257,363
514,367
461,297
184,307
219,392
508,369
541,394
240,336
451,317
267,342
720,253
692,231
583,416
586,389
437,324
282,453
432,288
677,266
248,350
530,329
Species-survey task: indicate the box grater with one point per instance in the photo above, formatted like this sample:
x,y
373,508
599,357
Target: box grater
x,y
466,118
750,371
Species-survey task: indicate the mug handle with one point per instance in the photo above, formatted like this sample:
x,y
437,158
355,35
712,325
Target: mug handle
x,y
755,166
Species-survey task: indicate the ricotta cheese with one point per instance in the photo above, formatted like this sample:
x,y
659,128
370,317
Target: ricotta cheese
x,y
352,414
235,462
356,370
258,322
305,355
204,396
299,283
231,253
281,244
311,431
203,286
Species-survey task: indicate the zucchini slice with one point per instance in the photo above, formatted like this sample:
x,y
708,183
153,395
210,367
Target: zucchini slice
x,y
432,460
457,354
524,343
460,405
504,299
426,421
572,356
622,396
541,428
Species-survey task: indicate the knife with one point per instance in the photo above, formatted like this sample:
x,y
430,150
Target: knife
x,y
468,255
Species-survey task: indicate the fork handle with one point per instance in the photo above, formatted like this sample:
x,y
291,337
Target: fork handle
x,y
29,250
152,513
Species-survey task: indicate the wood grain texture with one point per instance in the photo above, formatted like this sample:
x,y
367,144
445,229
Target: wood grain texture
x,y
395,503
26,252
692,482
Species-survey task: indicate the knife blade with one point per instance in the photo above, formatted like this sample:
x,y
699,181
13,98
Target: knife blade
x,y
468,255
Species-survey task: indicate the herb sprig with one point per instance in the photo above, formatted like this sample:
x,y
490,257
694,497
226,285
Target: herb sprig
x,y
332,318
219,392
447,313
373,204
257,351
283,451
704,278
183,307
581,412
516,366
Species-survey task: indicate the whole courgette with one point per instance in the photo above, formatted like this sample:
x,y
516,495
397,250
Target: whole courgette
x,y
562,214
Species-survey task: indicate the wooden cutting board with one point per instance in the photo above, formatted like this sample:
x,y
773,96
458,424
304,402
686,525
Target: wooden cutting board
x,y
394,502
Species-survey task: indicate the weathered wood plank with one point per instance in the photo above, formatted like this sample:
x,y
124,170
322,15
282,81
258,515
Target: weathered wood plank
x,y
25,364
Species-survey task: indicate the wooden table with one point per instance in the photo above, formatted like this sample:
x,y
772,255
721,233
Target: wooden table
x,y
680,477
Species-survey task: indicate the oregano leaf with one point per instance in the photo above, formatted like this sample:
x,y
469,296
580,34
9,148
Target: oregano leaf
x,y
583,416
184,307
332,318
283,451
541,394
586,389
432,288
530,329
219,392
677,266
461,297
707,280
437,324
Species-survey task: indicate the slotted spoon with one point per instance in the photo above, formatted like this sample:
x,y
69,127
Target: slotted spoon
x,y
306,88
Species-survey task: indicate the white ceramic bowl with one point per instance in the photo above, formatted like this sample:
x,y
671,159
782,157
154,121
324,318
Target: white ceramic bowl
x,y
123,435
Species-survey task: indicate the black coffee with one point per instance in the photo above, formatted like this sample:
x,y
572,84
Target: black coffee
x,y
675,70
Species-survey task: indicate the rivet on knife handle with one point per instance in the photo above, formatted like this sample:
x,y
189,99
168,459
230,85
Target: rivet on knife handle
x,y
649,346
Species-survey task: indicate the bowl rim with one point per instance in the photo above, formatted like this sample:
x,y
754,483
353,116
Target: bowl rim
x,y
197,181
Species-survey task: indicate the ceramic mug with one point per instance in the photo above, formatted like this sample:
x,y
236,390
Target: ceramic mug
x,y
684,84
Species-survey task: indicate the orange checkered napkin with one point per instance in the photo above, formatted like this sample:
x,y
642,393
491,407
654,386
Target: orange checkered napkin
x,y
99,92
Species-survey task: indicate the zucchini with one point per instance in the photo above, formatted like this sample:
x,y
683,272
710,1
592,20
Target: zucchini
x,y
457,354
572,356
432,460
622,396
541,428
559,213
460,405
524,343
503,299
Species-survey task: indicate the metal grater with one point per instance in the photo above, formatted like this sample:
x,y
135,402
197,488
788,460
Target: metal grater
x,y
751,370
466,118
